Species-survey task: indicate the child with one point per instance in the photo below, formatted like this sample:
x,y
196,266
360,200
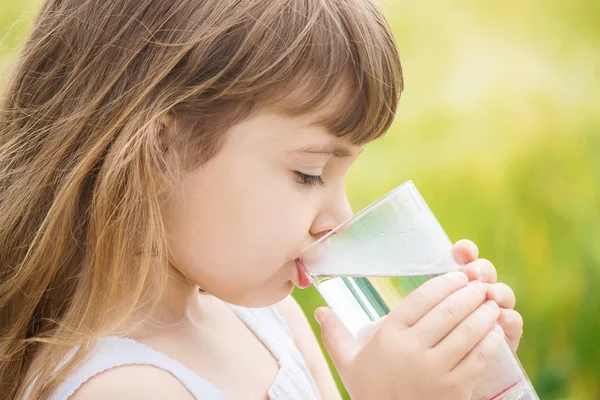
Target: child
x,y
162,165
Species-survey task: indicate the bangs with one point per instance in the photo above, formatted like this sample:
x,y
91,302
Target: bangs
x,y
335,58
345,68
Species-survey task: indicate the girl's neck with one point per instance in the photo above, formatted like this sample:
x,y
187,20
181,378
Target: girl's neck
x,y
184,304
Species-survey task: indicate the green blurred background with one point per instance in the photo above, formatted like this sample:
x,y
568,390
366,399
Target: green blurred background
x,y
499,127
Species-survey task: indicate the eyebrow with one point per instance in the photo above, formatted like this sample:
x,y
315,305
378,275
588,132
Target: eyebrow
x,y
330,149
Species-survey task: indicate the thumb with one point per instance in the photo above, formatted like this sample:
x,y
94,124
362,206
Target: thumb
x,y
339,342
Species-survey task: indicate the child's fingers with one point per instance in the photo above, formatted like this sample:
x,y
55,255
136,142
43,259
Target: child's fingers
x,y
482,270
487,271
338,341
447,315
478,359
465,337
512,324
465,251
421,300
502,294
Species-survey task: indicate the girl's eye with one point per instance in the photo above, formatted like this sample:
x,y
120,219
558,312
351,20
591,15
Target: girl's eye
x,y
309,180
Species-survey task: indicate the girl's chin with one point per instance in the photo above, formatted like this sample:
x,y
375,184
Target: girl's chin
x,y
281,294
266,297
285,291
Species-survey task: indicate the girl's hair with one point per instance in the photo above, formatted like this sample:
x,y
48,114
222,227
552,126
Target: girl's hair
x,y
110,102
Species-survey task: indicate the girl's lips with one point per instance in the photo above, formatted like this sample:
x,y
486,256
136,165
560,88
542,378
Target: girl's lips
x,y
303,279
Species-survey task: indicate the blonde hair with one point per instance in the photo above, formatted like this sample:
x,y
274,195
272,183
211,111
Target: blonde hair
x,y
86,156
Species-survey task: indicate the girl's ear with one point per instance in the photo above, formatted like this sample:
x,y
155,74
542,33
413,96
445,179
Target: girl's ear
x,y
166,132
169,143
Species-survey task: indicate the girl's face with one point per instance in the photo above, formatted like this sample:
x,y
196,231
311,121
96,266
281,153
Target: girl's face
x,y
275,188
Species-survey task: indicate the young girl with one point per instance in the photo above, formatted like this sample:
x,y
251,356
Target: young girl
x,y
162,165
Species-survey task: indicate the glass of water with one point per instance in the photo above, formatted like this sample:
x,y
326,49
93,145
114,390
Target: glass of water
x,y
365,266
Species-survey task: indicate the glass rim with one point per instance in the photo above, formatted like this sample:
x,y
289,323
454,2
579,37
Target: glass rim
x,y
361,213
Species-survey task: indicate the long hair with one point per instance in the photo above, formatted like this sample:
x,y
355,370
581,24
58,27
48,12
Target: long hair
x,y
108,105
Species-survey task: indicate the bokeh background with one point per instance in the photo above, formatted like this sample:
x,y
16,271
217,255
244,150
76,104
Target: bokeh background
x,y
499,128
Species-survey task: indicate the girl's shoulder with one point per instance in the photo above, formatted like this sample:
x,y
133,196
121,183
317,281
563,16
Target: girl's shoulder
x,y
120,367
132,382
125,368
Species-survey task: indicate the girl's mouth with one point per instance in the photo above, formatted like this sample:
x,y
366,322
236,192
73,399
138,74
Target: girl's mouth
x,y
303,279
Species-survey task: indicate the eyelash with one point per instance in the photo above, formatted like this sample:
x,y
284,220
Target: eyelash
x,y
309,180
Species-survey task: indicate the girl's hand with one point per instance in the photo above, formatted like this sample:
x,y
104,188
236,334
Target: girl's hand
x,y
481,269
435,344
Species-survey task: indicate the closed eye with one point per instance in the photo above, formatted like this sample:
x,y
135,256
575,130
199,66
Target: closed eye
x,y
309,180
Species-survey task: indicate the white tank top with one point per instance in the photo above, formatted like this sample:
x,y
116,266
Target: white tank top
x,y
293,381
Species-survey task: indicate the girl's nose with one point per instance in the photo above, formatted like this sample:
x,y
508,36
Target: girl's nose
x,y
331,217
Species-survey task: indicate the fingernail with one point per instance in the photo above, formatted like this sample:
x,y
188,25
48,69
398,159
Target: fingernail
x,y
492,304
319,313
473,247
498,329
480,273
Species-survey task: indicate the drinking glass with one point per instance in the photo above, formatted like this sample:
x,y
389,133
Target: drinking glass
x,y
365,266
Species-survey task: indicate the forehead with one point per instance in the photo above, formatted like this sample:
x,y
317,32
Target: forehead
x,y
270,131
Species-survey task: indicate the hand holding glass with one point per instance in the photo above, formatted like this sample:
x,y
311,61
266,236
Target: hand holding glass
x,y
365,266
